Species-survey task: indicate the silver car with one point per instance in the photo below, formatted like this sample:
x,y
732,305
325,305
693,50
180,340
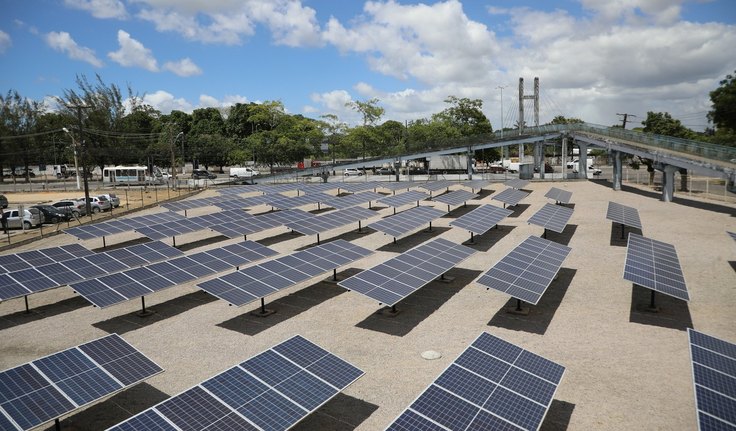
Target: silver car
x,y
98,203
112,197
31,218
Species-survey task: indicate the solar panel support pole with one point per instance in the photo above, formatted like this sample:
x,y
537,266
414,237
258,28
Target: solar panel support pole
x,y
317,239
144,312
544,234
185,213
57,424
334,274
472,239
622,232
25,298
263,311
104,245
173,240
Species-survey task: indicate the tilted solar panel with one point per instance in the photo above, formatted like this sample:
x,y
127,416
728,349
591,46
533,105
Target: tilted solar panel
x,y
47,388
510,196
492,385
527,271
654,265
97,230
44,256
400,276
258,281
402,199
308,188
552,217
270,391
407,221
299,201
714,377
352,200
623,215
332,220
433,186
475,184
559,195
359,186
481,219
516,184
457,197
395,186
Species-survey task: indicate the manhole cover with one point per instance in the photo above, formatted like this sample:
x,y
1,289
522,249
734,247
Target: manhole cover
x,y
431,355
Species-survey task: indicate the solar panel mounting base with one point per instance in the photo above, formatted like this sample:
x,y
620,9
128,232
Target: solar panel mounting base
x,y
445,279
389,311
262,313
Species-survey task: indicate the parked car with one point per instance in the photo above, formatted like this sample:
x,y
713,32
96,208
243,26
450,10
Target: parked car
x,y
547,168
113,198
385,171
98,203
243,173
352,171
51,214
21,173
3,201
31,218
73,208
199,174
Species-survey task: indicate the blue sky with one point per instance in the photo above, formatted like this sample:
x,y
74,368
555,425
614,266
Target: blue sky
x,y
594,58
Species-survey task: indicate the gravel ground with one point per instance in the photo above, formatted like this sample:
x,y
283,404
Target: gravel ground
x,y
627,369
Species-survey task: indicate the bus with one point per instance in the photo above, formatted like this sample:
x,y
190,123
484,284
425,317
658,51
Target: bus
x,y
131,175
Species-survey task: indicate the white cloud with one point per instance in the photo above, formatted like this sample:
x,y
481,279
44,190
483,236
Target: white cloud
x,y
5,41
207,101
100,8
166,102
183,67
133,54
61,41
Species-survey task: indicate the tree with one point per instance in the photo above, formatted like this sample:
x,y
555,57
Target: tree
x,y
561,119
371,113
466,115
723,108
334,131
18,117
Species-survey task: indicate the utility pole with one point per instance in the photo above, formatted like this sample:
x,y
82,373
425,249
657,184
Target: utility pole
x,y
82,155
625,118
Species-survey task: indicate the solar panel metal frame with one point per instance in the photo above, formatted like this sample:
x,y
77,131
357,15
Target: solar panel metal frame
x,y
278,401
552,217
713,364
475,184
654,264
112,227
103,371
352,200
395,279
526,271
456,197
359,186
30,259
492,384
516,184
299,201
433,186
623,215
331,220
559,195
481,219
407,221
402,199
395,186
510,196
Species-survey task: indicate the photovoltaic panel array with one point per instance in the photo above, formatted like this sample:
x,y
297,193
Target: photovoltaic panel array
x,y
475,184
192,224
308,188
492,385
98,230
516,184
271,189
559,195
407,221
47,388
714,377
402,199
481,219
271,391
188,204
527,271
400,276
654,265
120,287
299,201
433,186
355,187
352,200
235,203
395,186
317,224
259,223
44,256
552,217
239,190
32,280
454,198
511,196
623,215
258,281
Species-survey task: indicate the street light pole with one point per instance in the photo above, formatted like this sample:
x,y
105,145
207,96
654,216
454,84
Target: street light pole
x,y
501,87
76,163
173,158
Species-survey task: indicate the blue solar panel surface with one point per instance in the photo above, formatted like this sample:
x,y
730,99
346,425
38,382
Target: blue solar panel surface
x,y
510,196
98,230
492,385
47,388
552,217
400,276
270,391
481,219
120,287
475,184
516,184
192,224
249,284
433,186
44,256
308,188
559,195
359,186
714,376
352,200
259,223
397,185
527,271
331,220
654,265
299,201
402,199
407,221
624,215
457,197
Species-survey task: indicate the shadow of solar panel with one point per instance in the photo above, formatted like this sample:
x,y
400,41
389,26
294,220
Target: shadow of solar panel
x,y
654,265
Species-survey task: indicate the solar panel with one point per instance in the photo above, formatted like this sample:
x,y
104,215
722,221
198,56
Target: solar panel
x,y
552,217
47,388
271,189
559,195
192,224
407,221
112,227
511,196
359,186
315,225
654,265
270,391
516,184
298,201
454,198
32,280
400,276
527,271
475,184
34,258
623,215
188,204
259,223
308,188
249,284
492,385
352,200
402,199
433,186
714,377
113,289
481,219
395,186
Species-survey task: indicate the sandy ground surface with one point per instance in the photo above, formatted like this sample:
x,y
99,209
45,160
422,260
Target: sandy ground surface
x,y
627,369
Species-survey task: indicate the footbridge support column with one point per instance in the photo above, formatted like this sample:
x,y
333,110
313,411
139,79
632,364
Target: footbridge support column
x,y
668,182
617,170
583,160
470,163
539,159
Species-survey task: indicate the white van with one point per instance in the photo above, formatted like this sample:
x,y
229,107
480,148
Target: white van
x,y
589,163
243,173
